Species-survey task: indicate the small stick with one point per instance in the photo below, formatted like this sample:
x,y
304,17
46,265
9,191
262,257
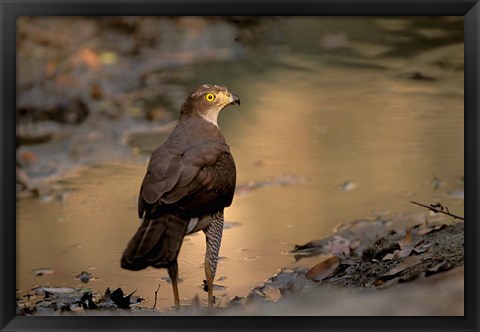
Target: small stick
x,y
438,211
220,302
156,293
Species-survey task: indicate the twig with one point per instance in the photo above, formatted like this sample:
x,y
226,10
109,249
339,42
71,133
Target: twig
x,y
220,302
436,210
156,293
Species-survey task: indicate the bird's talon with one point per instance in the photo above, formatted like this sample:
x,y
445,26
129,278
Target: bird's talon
x,y
205,285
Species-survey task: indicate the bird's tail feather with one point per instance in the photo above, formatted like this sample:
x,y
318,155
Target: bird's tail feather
x,y
156,243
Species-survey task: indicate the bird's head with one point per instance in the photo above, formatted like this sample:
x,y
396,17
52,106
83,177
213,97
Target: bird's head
x,y
207,101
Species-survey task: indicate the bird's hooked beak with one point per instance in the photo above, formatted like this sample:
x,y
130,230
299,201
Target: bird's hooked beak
x,y
234,99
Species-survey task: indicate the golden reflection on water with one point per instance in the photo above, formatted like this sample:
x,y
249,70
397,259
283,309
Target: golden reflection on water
x,y
327,123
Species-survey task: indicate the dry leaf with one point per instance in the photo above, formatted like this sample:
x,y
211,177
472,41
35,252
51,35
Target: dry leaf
x,y
419,242
88,57
405,264
407,246
388,257
118,297
407,241
324,269
431,229
355,244
404,252
58,291
422,249
339,246
442,266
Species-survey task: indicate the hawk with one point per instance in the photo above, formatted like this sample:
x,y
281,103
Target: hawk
x,y
190,179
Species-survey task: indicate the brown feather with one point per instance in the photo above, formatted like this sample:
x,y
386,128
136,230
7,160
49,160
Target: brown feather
x,y
156,243
188,172
192,175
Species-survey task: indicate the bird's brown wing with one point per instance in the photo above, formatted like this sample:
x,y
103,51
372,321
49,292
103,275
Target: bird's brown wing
x,y
163,171
200,179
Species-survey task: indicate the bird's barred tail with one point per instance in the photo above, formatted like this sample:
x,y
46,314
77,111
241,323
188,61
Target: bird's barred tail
x,y
156,243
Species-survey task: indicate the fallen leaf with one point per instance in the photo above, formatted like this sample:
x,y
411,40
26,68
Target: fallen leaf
x,y
388,257
324,269
88,57
408,262
379,249
355,244
409,277
58,290
431,229
312,248
338,246
28,157
407,246
404,252
118,298
407,241
419,243
108,58
87,301
378,282
419,250
442,266
50,69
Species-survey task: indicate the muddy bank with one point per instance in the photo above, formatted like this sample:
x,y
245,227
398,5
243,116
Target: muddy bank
x,y
398,255
365,258
438,295
362,268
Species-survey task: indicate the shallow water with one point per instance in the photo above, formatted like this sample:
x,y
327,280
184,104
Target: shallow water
x,y
357,132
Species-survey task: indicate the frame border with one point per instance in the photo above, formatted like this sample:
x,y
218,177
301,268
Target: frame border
x,y
9,10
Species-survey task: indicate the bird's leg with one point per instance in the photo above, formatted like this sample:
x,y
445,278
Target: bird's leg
x,y
173,274
213,234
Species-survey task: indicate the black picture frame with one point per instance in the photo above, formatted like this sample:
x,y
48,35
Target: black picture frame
x,y
10,10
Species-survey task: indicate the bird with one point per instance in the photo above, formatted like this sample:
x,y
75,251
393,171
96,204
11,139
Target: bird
x,y
189,181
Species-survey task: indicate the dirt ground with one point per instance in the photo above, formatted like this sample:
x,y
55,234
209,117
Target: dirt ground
x,y
373,268
368,267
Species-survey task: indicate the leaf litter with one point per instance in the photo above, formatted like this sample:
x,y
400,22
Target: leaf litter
x,y
362,254
324,269
382,252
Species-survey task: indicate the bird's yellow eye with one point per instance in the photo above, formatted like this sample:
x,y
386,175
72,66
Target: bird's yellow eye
x,y
210,97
